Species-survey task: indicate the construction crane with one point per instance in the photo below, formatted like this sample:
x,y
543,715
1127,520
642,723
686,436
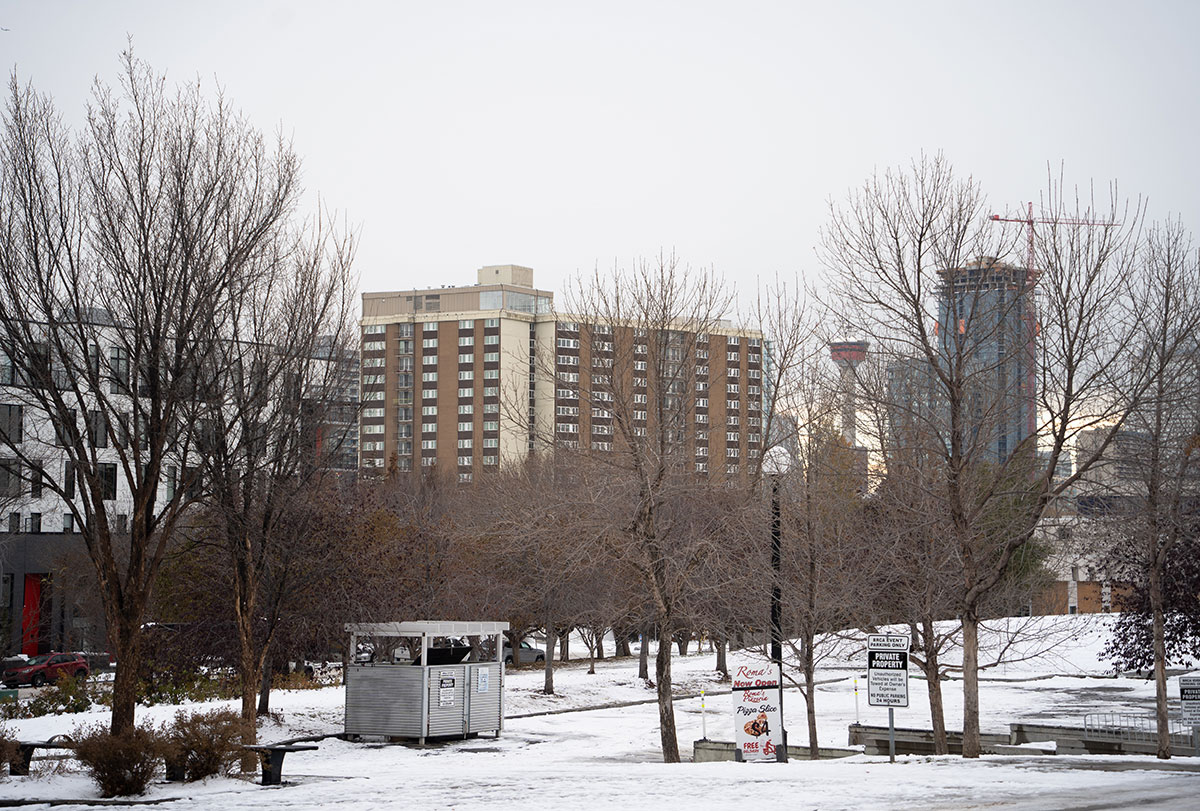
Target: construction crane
x,y
1030,220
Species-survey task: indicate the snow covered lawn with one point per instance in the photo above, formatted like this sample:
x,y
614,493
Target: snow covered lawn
x,y
607,758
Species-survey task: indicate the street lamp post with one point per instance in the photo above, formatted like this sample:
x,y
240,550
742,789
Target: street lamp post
x,y
781,754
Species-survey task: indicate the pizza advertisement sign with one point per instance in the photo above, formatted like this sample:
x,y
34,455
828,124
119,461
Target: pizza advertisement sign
x,y
757,713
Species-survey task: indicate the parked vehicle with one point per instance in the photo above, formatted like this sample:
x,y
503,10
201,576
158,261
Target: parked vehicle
x,y
526,653
46,668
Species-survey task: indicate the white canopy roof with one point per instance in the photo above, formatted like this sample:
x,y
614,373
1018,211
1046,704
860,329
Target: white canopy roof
x,y
426,628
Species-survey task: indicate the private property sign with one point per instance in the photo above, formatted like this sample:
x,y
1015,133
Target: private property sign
x,y
1189,699
757,715
887,670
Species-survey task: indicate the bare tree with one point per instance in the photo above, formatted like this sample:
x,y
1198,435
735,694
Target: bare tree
x,y
995,361
640,331
284,372
123,249
1149,477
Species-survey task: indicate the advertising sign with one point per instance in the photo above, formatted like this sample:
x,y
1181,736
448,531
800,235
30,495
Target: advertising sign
x,y
1189,699
757,717
887,670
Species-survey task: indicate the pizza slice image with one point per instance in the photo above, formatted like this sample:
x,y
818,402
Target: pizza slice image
x,y
758,726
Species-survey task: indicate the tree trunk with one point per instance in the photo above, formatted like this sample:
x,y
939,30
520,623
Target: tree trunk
x,y
682,640
722,664
937,711
600,642
264,691
666,706
644,655
564,646
621,637
548,688
128,647
1160,664
810,699
970,632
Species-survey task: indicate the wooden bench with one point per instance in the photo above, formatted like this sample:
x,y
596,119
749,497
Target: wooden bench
x,y
271,756
19,765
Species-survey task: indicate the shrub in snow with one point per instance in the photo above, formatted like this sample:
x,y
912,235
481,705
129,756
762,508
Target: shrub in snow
x,y
122,765
66,695
203,744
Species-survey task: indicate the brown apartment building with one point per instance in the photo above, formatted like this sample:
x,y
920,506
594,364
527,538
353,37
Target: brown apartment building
x,y
475,378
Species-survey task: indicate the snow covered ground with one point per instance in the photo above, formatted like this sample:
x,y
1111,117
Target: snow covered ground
x,y
607,758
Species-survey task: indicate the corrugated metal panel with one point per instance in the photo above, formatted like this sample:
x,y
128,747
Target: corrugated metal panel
x,y
485,706
447,705
384,700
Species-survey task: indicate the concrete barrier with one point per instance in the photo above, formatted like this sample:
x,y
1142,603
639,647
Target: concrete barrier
x,y
874,740
1067,740
1076,741
706,751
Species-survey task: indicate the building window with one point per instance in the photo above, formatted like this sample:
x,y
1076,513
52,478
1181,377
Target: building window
x,y
491,426
491,374
467,408
466,358
429,444
374,329
372,429
426,394
466,391
36,476
12,423
466,427
107,474
34,524
14,522
429,343
466,340
373,346
466,374
118,369
10,478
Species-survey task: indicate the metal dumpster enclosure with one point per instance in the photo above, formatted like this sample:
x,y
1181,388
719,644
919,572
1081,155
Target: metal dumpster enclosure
x,y
422,699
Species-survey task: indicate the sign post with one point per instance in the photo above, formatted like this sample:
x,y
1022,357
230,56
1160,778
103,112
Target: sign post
x,y
1189,701
757,713
887,678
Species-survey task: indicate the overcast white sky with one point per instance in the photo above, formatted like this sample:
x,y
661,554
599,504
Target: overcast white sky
x,y
565,135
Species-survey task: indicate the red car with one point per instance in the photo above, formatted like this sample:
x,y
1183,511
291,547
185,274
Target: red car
x,y
47,668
